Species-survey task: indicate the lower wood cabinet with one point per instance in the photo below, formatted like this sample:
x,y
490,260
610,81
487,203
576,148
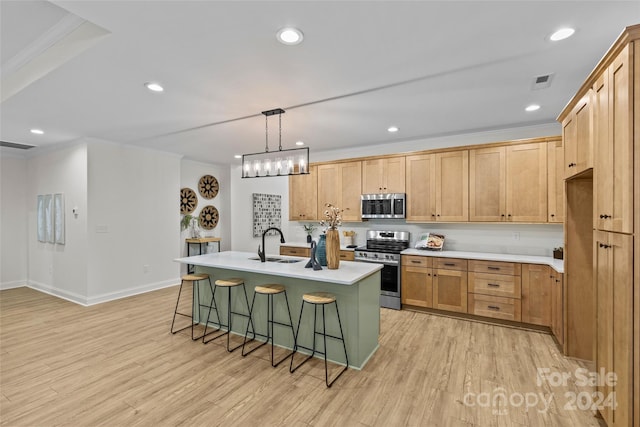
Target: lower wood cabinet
x,y
528,293
450,290
536,294
417,281
496,307
306,252
294,251
557,305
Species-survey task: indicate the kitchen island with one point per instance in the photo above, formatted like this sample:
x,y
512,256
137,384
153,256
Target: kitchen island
x,y
355,285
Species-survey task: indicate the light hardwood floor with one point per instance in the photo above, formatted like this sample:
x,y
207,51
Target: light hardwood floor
x,y
116,364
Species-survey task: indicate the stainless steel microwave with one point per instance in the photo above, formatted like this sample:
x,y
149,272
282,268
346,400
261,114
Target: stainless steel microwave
x,y
391,205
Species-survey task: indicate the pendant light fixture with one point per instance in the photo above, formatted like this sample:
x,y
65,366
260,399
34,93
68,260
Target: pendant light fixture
x,y
294,161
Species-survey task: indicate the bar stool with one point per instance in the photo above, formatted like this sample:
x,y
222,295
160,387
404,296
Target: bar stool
x,y
320,299
193,279
229,284
269,290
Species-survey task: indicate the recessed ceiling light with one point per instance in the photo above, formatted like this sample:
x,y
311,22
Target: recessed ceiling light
x,y
393,129
562,34
238,156
37,131
299,143
290,36
154,87
532,107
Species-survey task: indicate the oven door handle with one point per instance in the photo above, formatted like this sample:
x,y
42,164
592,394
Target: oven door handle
x,y
377,261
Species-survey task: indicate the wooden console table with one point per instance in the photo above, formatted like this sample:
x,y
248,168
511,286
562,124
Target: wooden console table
x,y
199,241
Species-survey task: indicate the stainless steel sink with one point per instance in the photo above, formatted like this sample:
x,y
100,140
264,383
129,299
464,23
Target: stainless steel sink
x,y
276,259
270,259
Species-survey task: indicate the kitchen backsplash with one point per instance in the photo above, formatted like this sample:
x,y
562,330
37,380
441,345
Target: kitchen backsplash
x,y
526,239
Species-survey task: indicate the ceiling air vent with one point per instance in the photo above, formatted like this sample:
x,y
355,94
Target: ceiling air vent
x,y
15,145
542,82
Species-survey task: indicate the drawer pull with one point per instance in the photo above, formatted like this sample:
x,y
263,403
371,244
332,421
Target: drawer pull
x,y
415,261
493,268
450,264
493,285
493,307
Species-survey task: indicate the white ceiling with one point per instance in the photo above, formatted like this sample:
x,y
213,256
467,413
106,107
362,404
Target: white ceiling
x,y
430,68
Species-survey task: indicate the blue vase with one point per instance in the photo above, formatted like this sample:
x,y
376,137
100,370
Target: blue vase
x,y
321,250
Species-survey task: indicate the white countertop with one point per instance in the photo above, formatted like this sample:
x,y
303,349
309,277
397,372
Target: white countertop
x,y
348,273
307,245
556,264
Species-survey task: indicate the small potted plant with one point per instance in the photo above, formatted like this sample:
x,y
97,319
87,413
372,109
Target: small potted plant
x,y
189,221
309,228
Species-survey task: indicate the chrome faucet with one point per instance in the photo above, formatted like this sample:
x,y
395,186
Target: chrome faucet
x,y
261,253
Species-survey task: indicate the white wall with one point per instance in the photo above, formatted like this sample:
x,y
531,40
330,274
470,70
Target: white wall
x,y
13,220
532,239
133,220
59,269
242,202
190,174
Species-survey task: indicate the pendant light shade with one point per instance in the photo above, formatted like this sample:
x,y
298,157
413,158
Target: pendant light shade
x,y
275,163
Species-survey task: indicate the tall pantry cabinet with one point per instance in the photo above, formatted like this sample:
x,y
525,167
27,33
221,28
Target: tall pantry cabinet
x,y
611,97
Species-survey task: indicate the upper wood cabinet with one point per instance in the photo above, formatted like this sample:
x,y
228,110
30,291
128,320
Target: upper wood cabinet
x,y
613,135
536,294
303,196
526,187
452,186
577,136
383,175
421,194
508,183
555,181
487,184
340,184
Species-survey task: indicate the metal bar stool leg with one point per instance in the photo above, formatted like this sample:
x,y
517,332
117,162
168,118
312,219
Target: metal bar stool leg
x,y
295,343
175,312
215,306
344,345
244,343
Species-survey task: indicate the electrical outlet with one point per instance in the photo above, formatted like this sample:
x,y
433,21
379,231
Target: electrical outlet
x,y
516,236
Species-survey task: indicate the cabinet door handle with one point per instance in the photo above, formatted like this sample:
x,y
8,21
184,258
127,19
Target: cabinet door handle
x,y
493,307
493,285
552,215
493,268
602,245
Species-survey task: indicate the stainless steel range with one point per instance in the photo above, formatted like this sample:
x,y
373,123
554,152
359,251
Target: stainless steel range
x,y
384,247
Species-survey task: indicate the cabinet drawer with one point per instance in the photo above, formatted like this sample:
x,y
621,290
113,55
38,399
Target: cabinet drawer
x,y
495,267
499,285
294,251
347,255
416,261
450,264
496,307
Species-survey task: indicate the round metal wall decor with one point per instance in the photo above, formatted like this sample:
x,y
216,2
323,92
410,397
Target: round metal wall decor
x,y
188,201
208,186
208,217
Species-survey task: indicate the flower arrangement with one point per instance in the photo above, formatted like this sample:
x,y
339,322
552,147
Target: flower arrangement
x,y
333,217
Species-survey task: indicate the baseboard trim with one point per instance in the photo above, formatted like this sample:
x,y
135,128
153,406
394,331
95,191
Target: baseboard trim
x,y
56,292
13,284
102,298
124,293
